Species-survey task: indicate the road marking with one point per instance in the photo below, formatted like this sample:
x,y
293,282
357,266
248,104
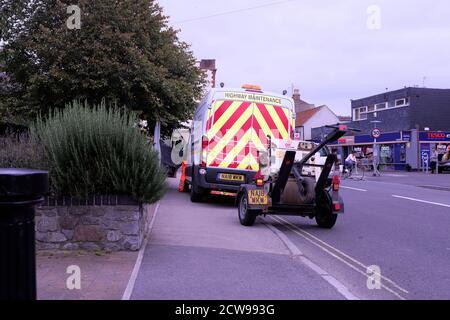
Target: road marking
x,y
296,253
394,175
341,253
130,286
322,245
424,201
356,189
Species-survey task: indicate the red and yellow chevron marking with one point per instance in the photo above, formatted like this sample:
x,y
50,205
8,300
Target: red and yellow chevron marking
x,y
236,130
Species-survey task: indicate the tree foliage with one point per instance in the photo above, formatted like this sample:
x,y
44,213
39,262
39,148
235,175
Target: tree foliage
x,y
124,52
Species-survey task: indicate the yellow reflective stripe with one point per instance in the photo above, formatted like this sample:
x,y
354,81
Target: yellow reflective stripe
x,y
250,136
256,140
244,163
223,119
236,150
277,120
287,113
262,123
248,160
230,133
254,164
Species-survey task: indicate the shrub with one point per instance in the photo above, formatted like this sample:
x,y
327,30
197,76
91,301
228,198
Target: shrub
x,y
99,150
19,150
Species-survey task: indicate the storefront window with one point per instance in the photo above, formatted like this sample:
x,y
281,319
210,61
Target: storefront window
x,y
441,149
386,154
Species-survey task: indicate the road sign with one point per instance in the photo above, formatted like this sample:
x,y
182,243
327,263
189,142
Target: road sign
x,y
376,133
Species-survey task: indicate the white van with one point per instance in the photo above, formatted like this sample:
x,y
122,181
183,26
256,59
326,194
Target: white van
x,y
228,129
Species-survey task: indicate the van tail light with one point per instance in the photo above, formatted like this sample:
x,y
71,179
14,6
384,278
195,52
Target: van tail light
x,y
335,183
204,153
337,207
259,179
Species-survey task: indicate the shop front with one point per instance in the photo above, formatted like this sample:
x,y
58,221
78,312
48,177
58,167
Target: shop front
x,y
392,148
431,141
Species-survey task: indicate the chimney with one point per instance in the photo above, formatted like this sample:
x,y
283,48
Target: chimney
x,y
296,95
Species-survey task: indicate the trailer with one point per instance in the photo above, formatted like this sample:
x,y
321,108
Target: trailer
x,y
299,184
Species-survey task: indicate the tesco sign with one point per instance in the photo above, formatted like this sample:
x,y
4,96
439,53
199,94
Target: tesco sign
x,y
434,136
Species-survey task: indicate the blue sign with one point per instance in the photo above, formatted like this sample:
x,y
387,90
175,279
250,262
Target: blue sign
x,y
406,136
425,152
384,137
440,136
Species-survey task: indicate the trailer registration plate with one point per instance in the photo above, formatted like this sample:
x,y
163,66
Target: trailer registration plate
x,y
257,197
231,177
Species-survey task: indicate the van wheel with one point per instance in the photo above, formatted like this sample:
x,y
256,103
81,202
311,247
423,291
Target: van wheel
x,y
325,218
247,217
195,195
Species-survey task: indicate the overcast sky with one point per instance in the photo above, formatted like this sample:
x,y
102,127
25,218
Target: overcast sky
x,y
323,47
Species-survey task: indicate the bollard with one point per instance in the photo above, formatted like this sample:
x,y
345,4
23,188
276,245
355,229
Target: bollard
x,y
20,191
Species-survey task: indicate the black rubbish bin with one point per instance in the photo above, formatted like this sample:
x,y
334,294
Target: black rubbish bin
x,y
20,191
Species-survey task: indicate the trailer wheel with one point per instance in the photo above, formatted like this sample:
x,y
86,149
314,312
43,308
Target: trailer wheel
x,y
324,212
246,216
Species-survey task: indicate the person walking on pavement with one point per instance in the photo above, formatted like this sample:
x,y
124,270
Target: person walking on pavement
x,y
433,160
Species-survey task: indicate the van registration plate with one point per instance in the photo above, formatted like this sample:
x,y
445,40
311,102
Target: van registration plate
x,y
231,177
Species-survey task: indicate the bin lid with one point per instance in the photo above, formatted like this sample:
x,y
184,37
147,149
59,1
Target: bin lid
x,y
22,182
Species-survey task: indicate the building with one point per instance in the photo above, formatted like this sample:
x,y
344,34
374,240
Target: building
x,y
309,116
301,105
209,66
345,119
413,123
405,109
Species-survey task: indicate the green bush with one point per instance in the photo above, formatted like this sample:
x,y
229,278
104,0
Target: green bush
x,y
99,150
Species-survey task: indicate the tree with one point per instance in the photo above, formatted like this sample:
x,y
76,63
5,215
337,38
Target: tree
x,y
123,52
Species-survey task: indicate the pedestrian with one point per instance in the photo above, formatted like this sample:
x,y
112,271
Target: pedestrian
x,y
433,160
446,156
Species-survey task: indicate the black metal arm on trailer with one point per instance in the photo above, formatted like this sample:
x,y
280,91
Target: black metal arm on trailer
x,y
288,163
283,175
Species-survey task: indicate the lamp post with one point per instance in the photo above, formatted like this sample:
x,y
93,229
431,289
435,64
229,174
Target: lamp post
x,y
20,191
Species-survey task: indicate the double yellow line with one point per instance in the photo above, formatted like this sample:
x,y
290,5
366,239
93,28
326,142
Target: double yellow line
x,y
351,262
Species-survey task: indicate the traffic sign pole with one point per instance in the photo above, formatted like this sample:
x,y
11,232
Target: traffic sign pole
x,y
376,133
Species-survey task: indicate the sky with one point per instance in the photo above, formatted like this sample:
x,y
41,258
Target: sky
x,y
332,51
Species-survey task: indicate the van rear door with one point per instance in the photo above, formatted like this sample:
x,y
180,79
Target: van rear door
x,y
229,134
236,130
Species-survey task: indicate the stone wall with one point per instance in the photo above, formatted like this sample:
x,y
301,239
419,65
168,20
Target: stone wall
x,y
112,225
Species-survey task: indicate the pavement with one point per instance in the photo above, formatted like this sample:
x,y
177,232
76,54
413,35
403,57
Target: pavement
x,y
103,275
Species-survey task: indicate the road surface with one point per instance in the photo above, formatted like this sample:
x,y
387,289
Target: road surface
x,y
399,223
